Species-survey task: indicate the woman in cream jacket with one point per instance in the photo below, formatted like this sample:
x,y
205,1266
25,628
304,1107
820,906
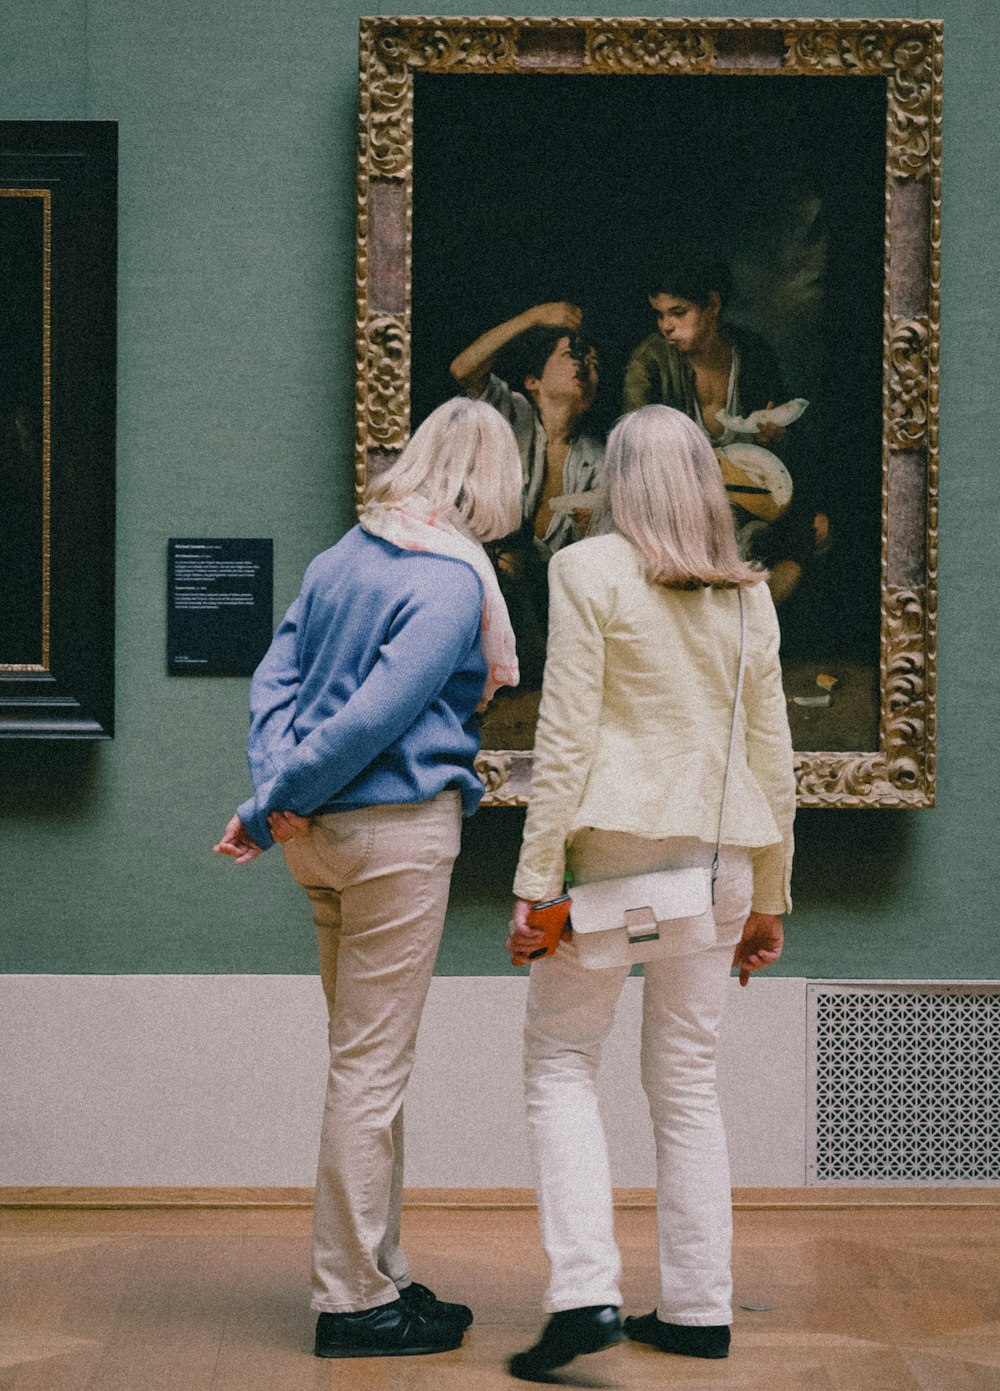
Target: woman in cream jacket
x,y
630,756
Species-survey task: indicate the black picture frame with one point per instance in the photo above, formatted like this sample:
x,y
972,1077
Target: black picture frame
x,y
58,308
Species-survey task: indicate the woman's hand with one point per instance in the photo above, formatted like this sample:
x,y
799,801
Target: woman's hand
x,y
522,939
286,825
236,843
760,946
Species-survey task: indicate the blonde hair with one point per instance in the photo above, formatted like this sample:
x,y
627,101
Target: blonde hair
x,y
463,459
667,496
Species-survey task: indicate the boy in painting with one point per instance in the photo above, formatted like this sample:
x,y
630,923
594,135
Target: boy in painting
x,y
556,371
695,361
718,374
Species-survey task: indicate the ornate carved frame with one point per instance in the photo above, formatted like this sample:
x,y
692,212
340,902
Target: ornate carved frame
x,y
908,53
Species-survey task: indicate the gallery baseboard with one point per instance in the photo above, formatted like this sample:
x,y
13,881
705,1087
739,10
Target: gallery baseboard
x,y
470,1199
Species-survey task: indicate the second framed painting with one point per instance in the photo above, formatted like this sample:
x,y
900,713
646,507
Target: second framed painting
x,y
781,179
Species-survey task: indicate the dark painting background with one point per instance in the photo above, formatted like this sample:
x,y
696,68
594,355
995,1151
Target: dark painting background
x,y
21,466
531,188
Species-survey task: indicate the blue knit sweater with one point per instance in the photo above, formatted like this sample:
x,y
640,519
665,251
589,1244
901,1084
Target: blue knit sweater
x,y
367,694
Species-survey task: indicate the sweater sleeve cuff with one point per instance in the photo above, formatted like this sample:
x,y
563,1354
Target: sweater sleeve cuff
x,y
255,823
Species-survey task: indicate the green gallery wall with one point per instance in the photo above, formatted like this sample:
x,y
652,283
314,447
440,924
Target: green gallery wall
x,y
237,141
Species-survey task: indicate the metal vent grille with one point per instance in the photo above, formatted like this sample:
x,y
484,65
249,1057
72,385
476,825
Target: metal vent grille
x,y
903,1085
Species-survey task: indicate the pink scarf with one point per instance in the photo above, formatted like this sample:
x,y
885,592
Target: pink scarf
x,y
414,524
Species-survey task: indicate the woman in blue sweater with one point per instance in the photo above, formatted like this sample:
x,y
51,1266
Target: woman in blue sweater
x,y
362,739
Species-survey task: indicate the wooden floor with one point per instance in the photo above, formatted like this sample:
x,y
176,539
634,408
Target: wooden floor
x,y
875,1298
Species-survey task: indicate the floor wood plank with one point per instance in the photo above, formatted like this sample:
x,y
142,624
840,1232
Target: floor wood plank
x,y
900,1298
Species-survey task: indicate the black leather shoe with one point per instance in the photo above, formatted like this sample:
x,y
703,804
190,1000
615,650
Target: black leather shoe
x,y
566,1335
689,1340
391,1330
421,1300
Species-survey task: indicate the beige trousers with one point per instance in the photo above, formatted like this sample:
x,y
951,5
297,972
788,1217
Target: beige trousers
x,y
378,881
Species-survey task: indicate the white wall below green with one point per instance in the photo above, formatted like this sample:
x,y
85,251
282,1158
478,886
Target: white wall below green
x,y
217,1081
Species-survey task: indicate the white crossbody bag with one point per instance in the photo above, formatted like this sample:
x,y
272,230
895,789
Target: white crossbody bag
x,y
616,921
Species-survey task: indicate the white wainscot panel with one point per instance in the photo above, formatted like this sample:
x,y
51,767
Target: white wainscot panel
x,y
218,1081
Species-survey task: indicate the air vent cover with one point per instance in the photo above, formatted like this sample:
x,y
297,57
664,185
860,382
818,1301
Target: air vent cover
x,y
902,1081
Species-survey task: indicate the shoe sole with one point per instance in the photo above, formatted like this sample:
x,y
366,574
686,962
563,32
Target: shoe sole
x,y
681,1352
537,1373
676,1352
389,1352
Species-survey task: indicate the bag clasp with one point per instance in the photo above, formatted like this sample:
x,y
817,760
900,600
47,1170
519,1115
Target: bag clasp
x,y
640,924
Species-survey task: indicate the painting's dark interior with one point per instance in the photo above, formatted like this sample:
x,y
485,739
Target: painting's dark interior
x,y
540,187
21,482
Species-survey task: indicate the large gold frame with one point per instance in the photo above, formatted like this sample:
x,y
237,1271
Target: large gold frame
x,y
908,53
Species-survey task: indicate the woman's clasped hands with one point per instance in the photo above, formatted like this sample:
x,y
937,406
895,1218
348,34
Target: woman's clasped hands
x,y
237,844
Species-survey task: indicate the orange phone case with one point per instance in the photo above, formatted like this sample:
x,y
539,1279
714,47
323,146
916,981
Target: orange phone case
x,y
551,916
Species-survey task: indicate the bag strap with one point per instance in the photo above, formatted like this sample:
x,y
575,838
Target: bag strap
x,y
732,733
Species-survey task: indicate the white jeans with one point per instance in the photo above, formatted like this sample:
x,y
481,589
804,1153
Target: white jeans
x,y
378,881
570,1013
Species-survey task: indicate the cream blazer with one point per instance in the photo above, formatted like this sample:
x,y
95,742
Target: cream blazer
x,y
634,721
